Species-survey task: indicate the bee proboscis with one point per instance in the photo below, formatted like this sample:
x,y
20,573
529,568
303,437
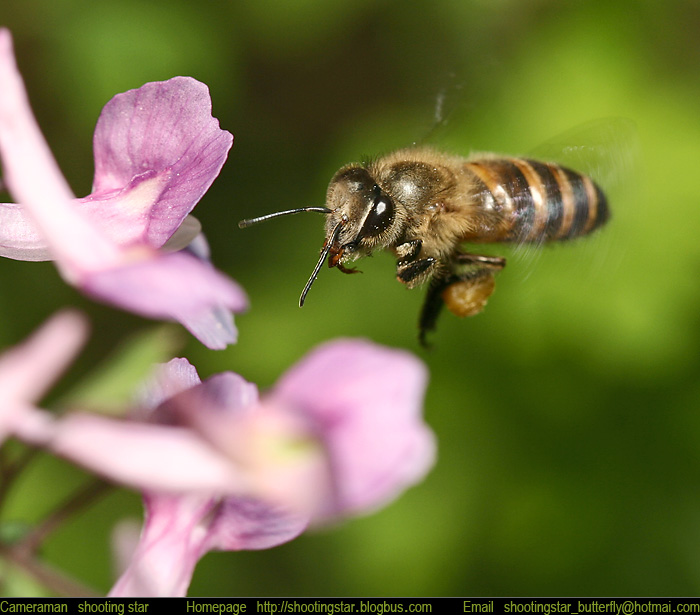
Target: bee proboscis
x,y
423,205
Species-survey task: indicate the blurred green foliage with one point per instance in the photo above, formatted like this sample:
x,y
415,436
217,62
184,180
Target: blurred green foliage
x,y
568,413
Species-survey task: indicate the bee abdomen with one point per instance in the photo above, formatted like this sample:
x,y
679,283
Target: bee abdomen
x,y
537,201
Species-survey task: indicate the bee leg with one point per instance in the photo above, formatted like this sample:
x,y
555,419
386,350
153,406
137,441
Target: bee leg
x,y
411,270
415,272
493,262
408,251
432,306
470,292
347,270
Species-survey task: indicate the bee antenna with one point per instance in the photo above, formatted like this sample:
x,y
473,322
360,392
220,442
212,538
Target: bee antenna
x,y
277,214
321,259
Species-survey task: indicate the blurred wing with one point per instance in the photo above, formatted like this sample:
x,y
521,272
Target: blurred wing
x,y
441,107
607,150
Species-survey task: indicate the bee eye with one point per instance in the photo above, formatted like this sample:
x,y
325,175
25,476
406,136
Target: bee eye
x,y
380,216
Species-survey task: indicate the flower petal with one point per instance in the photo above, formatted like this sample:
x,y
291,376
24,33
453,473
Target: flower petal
x,y
174,286
139,455
19,238
179,530
366,401
164,127
171,544
227,393
248,524
167,380
27,370
176,396
124,215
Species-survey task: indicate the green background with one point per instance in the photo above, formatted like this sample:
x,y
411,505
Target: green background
x,y
567,414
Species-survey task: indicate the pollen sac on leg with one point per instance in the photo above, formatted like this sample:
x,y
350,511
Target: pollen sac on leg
x,y
467,297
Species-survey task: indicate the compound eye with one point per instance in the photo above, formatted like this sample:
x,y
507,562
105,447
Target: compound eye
x,y
380,216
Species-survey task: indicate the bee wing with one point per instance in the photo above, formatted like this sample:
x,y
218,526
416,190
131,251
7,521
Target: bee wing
x,y
445,105
607,150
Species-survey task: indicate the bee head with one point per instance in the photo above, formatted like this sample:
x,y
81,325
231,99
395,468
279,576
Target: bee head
x,y
360,217
364,212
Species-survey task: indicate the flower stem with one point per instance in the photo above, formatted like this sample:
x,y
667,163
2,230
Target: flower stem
x,y
22,554
10,470
78,501
56,581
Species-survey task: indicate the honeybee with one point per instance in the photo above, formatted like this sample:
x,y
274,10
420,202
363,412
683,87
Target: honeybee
x,y
423,205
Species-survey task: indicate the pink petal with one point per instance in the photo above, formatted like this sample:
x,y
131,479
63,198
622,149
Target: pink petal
x,y
19,238
171,544
179,530
27,370
175,286
167,380
125,215
248,524
161,127
165,457
213,405
366,401
142,456
157,151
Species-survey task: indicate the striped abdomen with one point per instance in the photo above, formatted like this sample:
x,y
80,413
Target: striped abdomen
x,y
527,200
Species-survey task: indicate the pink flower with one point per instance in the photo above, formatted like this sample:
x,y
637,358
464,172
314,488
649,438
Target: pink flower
x,y
157,151
341,434
179,529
